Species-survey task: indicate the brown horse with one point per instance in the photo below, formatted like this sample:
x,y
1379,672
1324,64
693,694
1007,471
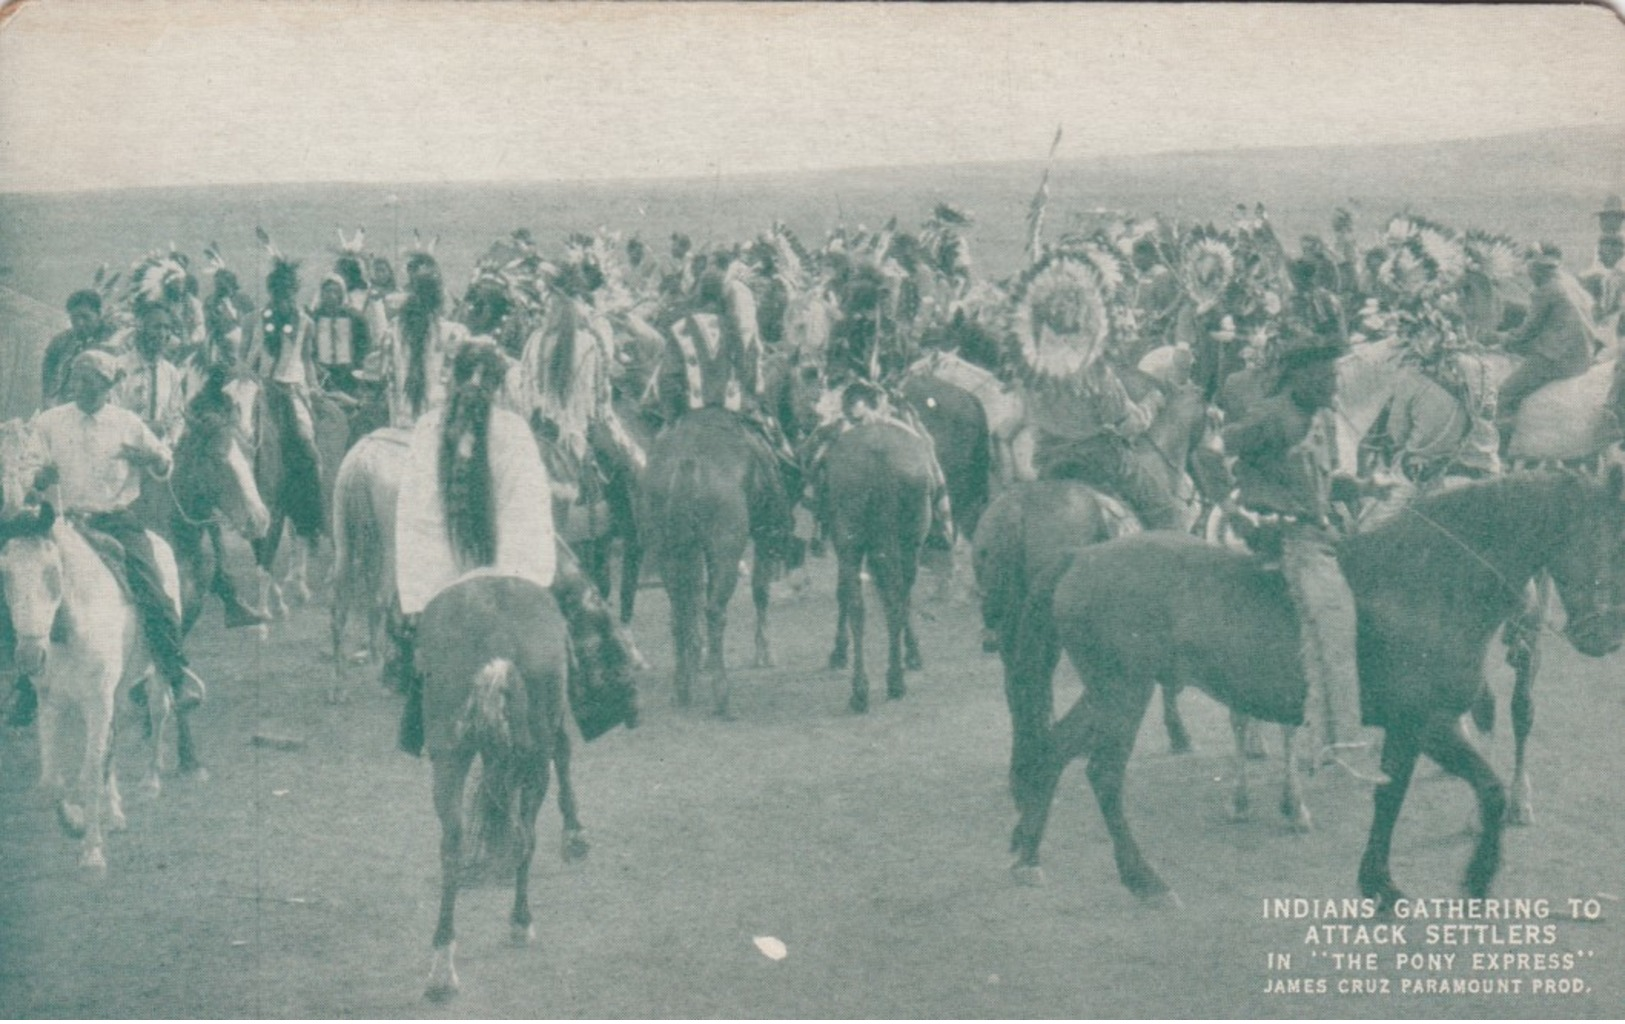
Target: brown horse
x,y
1432,587
496,667
879,480
705,496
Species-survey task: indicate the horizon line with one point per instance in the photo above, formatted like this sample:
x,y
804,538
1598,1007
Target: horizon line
x,y
719,174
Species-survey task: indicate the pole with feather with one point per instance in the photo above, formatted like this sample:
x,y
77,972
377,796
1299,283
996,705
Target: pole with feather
x,y
1035,210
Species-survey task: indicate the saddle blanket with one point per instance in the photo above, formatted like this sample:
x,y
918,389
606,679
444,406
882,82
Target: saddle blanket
x,y
111,552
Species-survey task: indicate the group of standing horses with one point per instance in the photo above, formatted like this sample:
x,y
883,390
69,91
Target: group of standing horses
x,y
1059,566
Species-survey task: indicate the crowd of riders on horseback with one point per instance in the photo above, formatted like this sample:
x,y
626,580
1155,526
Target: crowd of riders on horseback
x,y
802,343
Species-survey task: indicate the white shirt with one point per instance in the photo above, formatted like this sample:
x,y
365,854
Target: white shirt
x,y
154,392
425,562
86,450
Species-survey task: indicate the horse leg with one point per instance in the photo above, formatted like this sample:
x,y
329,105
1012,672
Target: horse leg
x,y
98,715
158,709
849,592
186,748
1524,655
298,578
1400,748
894,584
761,581
1241,801
1293,807
683,579
1447,746
838,655
116,822
450,771
631,575
1104,725
575,846
532,791
49,722
271,604
1179,740
722,576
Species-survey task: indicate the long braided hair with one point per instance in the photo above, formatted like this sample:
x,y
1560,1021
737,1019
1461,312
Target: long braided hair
x,y
465,453
418,315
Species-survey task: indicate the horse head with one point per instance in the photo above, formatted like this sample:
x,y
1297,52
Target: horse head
x,y
213,476
1589,568
31,578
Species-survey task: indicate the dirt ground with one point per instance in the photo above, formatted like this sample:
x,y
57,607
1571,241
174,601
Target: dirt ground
x,y
303,883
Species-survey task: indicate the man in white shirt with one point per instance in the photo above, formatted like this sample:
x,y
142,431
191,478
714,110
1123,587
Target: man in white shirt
x,y
152,387
95,453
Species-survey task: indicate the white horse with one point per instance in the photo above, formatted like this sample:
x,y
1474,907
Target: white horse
x,y
79,639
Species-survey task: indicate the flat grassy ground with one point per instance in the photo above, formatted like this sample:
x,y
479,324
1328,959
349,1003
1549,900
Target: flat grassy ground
x,y
304,883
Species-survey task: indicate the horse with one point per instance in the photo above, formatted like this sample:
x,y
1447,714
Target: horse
x,y
78,637
364,493
332,432
879,481
1032,526
1010,441
494,659
958,426
706,475
1431,587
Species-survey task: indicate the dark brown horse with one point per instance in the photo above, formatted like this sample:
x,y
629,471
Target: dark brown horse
x,y
706,494
879,480
496,672
1432,587
288,502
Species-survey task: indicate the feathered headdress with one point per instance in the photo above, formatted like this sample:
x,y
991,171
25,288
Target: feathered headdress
x,y
1206,268
355,245
1062,320
158,278
513,265
283,280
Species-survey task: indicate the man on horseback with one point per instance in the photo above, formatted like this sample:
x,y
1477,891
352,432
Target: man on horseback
x,y
713,360
343,338
423,344
281,353
1555,339
151,386
226,319
1285,455
95,453
475,499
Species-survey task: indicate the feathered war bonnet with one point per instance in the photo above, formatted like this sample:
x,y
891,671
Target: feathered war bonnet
x,y
156,280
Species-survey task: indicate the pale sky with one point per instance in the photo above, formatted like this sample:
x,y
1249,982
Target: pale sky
x,y
108,93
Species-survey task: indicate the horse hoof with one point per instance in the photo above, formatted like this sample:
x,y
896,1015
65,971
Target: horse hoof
x,y
575,847
117,822
72,819
1241,807
440,992
837,661
262,632
1165,899
1030,875
151,786
196,772
94,861
913,662
896,691
762,660
1301,823
859,703
1520,813
522,935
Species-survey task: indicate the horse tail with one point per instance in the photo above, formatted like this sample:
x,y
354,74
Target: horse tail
x,y
1031,650
495,719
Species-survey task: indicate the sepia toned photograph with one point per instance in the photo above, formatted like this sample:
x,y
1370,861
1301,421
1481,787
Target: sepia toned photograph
x,y
542,510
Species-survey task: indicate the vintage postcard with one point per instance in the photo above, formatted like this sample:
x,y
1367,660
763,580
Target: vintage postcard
x,y
755,510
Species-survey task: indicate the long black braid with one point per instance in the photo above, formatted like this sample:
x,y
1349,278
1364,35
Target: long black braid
x,y
465,454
